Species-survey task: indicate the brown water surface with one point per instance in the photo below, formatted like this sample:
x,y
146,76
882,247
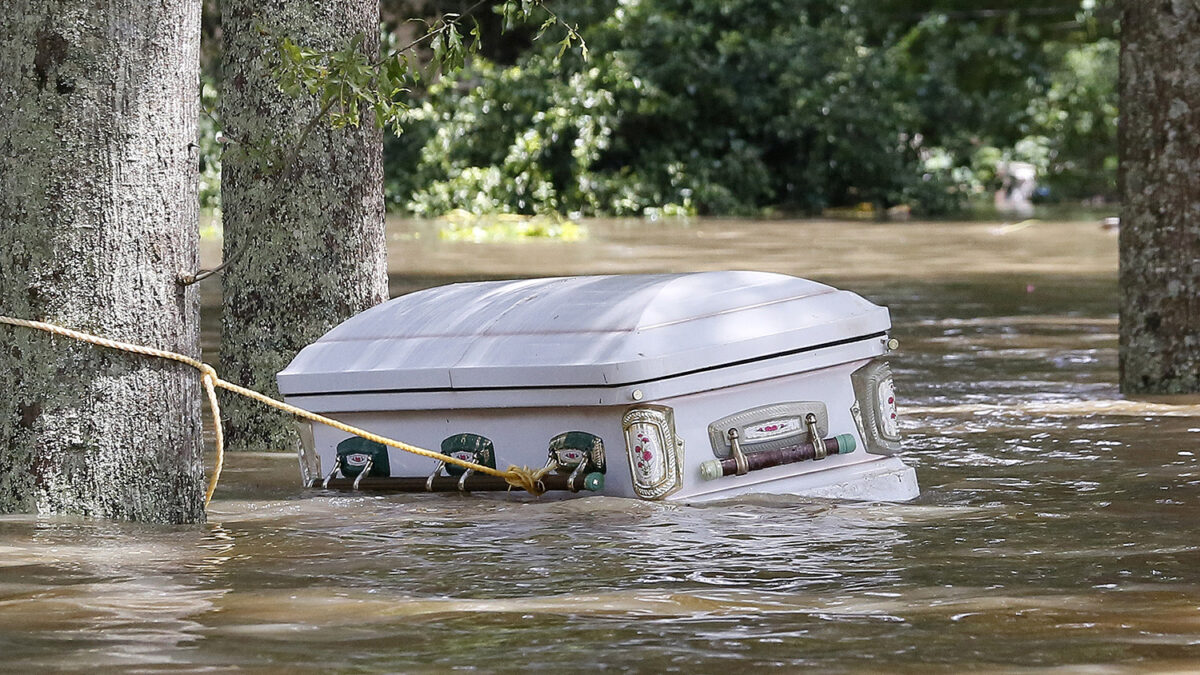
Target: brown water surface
x,y
1056,528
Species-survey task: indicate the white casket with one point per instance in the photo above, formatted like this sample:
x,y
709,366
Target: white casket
x,y
685,387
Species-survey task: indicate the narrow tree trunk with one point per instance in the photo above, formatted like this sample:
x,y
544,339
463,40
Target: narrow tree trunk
x,y
98,106
1160,191
310,247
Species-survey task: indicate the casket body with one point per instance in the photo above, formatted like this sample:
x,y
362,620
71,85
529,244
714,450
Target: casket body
x,y
675,377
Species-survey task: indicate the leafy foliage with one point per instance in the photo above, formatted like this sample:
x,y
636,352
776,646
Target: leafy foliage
x,y
732,106
759,104
461,225
1035,82
1077,118
346,81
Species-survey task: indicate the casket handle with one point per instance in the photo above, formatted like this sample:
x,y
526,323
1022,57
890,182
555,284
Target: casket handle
x,y
739,457
814,435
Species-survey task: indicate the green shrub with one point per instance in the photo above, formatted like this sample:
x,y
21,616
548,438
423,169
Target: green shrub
x,y
1077,117
734,107
721,107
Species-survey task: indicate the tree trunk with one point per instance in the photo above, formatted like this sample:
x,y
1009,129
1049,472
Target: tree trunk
x,y
1160,190
310,246
98,106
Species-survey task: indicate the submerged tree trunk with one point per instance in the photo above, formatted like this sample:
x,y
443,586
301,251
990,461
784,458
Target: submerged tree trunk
x,y
309,247
1160,190
98,106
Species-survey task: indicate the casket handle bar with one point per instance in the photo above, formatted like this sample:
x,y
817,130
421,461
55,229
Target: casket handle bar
x,y
477,482
842,444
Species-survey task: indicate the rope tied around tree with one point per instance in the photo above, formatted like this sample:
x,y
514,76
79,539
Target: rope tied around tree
x,y
516,476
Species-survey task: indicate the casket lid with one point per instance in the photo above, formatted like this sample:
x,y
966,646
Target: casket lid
x,y
578,331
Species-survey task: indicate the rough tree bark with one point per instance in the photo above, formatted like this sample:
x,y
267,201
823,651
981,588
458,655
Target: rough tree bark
x,y
312,246
98,106
1160,190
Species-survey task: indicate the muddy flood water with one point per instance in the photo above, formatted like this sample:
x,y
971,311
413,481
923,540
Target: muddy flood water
x,y
1056,529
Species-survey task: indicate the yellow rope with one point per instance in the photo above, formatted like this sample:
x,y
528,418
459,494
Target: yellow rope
x,y
521,477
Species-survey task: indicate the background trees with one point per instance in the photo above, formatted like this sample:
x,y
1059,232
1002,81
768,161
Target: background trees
x,y
98,113
732,107
718,107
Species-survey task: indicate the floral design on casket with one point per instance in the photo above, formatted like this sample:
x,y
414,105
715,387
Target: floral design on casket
x,y
655,453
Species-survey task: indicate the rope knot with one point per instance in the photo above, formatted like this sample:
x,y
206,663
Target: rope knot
x,y
527,479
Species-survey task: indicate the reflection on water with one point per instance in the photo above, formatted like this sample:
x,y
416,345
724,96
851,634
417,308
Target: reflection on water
x,y
1056,526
